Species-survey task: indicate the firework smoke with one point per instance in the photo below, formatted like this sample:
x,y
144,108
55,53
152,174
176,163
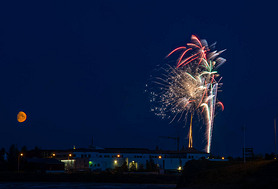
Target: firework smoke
x,y
191,86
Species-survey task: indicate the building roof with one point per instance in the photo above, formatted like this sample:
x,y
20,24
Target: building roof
x,y
131,150
140,151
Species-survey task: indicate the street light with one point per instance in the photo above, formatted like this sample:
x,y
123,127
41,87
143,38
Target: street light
x,y
69,162
18,158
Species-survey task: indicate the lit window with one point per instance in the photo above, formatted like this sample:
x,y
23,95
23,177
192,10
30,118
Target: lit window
x,y
90,163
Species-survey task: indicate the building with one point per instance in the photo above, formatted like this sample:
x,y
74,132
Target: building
x,y
102,159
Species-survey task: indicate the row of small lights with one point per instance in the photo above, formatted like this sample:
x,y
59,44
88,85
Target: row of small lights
x,y
118,156
159,157
53,155
70,155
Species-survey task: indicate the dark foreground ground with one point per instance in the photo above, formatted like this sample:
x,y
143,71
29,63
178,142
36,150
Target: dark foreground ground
x,y
226,175
90,177
81,185
201,174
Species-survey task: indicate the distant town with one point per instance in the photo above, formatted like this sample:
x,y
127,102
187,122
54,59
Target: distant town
x,y
98,159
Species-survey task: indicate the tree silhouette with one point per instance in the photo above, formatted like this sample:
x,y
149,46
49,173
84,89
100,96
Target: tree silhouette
x,y
13,157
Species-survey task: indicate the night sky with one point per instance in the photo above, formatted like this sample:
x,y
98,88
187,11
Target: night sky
x,y
79,69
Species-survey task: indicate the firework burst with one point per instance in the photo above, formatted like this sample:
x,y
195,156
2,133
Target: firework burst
x,y
191,86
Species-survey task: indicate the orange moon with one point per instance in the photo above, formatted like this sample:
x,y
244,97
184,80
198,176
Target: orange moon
x,y
21,117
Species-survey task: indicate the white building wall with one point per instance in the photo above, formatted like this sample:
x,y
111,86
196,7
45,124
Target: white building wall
x,y
102,161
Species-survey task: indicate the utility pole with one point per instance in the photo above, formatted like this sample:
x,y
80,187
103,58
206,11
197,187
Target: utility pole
x,y
18,160
18,163
244,158
275,137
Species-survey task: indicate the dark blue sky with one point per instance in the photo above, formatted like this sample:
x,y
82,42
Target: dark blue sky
x,y
79,69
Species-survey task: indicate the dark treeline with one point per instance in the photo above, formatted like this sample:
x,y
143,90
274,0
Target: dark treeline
x,y
13,157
